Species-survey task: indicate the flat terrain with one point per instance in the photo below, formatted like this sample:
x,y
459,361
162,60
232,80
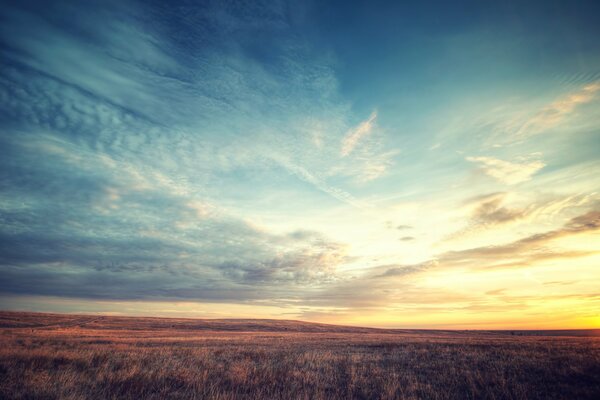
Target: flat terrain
x,y
53,356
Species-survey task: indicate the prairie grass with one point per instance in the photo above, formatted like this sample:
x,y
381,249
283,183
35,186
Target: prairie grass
x,y
75,357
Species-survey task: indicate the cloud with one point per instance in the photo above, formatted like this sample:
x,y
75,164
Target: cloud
x,y
492,210
388,286
489,210
509,173
217,253
355,135
403,270
310,265
123,170
517,254
525,251
554,113
514,123
375,165
370,158
402,227
303,174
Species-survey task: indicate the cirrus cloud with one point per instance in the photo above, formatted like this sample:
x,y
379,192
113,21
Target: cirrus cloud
x,y
507,172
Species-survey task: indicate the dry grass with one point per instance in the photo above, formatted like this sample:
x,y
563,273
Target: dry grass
x,y
82,357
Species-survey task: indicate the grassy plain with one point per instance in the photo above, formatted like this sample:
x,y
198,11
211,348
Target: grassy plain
x,y
52,356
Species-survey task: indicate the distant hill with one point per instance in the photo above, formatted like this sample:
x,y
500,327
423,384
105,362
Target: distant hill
x,y
30,320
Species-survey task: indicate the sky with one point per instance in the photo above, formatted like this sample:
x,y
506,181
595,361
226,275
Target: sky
x,y
426,165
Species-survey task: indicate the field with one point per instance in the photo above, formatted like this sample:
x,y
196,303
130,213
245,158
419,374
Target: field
x,y
51,356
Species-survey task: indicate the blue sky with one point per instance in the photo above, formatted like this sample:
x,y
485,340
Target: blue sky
x,y
371,163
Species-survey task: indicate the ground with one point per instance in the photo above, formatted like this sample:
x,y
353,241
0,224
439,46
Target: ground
x,y
52,356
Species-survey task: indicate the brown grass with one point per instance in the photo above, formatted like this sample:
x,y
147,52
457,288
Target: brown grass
x,y
46,356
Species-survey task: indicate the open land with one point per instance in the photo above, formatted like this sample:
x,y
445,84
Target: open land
x,y
57,356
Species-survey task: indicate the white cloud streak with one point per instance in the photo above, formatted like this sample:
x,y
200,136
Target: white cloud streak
x,y
509,173
320,184
355,135
554,113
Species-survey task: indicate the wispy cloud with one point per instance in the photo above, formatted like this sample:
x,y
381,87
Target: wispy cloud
x,y
365,156
528,250
358,133
376,165
493,214
555,112
490,210
402,270
303,174
386,286
507,172
518,121
390,285
399,227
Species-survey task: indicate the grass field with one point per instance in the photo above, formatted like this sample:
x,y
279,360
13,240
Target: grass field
x,y
51,356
